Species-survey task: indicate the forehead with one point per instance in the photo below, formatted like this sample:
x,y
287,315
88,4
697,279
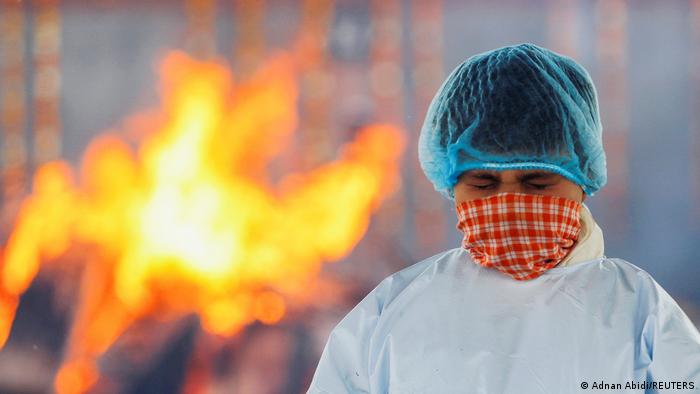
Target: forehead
x,y
509,174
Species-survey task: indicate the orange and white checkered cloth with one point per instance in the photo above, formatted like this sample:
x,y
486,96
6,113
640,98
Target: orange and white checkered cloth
x,y
521,235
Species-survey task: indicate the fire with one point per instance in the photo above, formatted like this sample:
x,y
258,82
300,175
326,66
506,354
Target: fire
x,y
187,221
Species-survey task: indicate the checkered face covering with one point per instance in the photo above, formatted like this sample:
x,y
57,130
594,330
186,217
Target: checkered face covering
x,y
521,235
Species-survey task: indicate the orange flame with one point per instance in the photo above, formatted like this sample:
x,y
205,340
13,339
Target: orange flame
x,y
188,222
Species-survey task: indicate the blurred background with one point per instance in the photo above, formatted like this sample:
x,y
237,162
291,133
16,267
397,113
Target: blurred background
x,y
71,71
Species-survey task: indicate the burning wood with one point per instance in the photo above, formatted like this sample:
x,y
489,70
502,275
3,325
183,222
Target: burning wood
x,y
188,222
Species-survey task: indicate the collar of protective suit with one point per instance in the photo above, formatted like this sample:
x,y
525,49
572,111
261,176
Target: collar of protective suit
x,y
590,244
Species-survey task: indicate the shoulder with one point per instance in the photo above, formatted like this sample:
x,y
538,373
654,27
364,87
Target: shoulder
x,y
648,290
397,283
612,268
394,285
629,270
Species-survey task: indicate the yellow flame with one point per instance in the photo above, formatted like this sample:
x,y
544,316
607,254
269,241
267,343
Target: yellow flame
x,y
188,222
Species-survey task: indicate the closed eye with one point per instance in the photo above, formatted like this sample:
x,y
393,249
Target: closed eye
x,y
483,187
538,186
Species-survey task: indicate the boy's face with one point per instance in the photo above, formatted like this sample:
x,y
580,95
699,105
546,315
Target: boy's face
x,y
483,183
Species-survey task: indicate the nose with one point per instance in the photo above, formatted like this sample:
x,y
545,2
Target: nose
x,y
514,187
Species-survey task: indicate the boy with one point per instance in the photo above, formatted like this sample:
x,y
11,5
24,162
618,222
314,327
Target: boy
x,y
529,303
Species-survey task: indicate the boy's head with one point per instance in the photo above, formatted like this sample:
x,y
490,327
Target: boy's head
x,y
511,111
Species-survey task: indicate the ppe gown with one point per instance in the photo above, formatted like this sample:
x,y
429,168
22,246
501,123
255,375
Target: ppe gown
x,y
447,325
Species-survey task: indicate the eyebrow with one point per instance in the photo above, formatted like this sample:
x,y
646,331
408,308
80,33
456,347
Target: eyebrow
x,y
490,176
482,175
536,175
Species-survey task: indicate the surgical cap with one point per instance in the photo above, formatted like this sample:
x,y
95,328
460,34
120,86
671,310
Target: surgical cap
x,y
514,108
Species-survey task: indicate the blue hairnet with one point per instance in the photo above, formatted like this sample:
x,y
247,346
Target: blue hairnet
x,y
516,107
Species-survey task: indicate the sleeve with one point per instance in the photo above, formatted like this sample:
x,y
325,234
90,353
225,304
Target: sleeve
x,y
344,364
671,343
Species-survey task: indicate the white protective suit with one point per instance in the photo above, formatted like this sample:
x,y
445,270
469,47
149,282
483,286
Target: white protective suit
x,y
448,325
